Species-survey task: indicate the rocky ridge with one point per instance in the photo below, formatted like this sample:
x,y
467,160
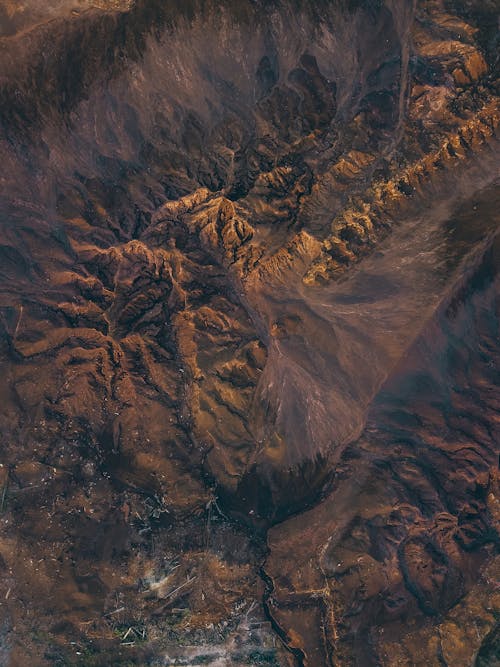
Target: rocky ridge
x,y
173,337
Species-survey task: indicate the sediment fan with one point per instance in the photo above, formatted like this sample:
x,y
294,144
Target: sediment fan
x,y
249,332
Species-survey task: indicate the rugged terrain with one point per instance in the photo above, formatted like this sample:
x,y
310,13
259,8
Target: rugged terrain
x,y
249,333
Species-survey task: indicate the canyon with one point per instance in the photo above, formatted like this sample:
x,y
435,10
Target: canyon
x,y
249,333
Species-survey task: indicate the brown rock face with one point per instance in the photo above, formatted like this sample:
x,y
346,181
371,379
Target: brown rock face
x,y
249,327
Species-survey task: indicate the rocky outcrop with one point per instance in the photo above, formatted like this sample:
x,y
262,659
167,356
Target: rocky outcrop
x,y
247,316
